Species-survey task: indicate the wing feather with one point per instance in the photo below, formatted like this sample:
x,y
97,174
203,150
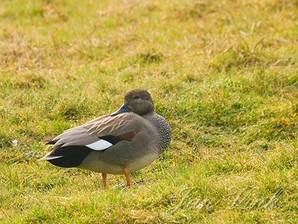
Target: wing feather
x,y
123,127
116,125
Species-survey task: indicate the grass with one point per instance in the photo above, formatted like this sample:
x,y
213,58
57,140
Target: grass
x,y
224,73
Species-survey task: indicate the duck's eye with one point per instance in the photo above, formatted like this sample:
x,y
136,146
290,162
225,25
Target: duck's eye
x,y
136,97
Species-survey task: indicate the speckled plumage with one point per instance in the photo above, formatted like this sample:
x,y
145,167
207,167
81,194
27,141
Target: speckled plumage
x,y
164,130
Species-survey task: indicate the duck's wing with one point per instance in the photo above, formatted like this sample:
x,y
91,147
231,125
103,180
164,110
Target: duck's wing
x,y
72,133
72,146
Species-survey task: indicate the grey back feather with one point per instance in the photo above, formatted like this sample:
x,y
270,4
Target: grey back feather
x,y
106,125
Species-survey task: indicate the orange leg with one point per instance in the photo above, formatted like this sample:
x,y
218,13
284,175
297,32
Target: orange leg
x,y
104,180
127,177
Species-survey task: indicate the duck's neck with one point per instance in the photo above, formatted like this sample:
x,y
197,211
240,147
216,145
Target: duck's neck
x,y
163,128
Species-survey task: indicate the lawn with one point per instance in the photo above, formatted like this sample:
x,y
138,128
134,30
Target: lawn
x,y
224,73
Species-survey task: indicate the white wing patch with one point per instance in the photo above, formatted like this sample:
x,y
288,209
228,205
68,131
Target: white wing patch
x,y
99,145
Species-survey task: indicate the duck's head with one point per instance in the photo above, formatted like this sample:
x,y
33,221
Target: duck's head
x,y
138,101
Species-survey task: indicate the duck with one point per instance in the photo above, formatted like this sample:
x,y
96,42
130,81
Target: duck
x,y
119,143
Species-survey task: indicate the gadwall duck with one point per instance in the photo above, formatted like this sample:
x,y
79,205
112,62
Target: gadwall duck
x,y
120,143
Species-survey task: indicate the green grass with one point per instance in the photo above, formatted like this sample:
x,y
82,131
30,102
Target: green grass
x,y
224,73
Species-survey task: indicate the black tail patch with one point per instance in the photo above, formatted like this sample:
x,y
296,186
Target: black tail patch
x,y
71,156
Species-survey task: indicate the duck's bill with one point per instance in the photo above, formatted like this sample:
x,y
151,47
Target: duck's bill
x,y
123,109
